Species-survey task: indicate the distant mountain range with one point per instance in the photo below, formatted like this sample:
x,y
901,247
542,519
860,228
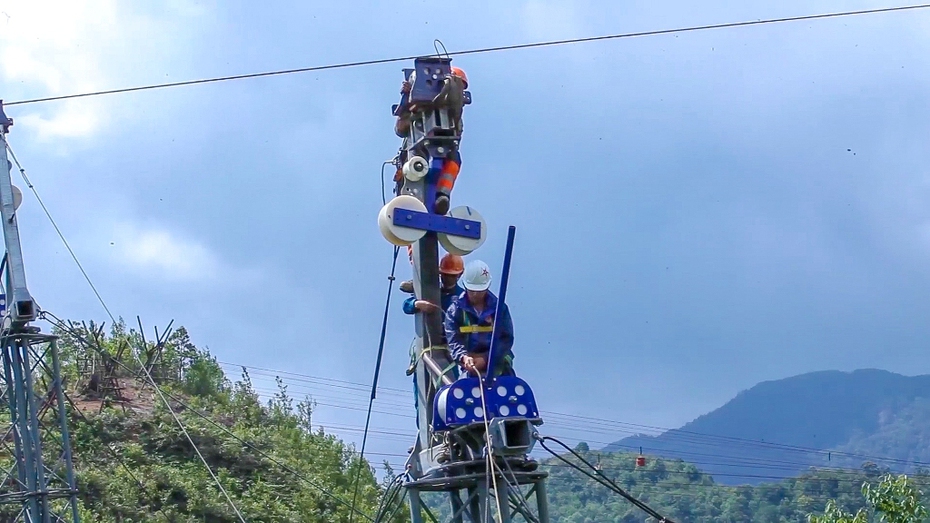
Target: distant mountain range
x,y
778,429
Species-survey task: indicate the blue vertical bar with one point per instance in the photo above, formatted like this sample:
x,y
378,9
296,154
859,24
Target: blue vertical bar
x,y
501,296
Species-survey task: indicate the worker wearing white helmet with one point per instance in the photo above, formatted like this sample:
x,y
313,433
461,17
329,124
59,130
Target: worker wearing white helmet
x,y
470,322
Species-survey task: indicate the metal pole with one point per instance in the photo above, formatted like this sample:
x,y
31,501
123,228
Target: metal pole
x,y
503,500
483,500
435,369
65,435
542,502
19,301
416,516
501,296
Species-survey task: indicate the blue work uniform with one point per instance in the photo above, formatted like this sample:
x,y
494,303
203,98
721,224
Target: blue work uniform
x,y
469,332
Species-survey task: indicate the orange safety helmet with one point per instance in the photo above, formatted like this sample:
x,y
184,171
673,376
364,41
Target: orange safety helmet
x,y
457,71
451,264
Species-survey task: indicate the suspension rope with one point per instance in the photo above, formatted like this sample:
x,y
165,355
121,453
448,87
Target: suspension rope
x,y
600,477
74,257
491,465
374,382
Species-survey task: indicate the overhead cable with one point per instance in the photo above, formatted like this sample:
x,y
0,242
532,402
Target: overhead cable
x,y
374,382
58,322
134,352
601,478
510,47
575,420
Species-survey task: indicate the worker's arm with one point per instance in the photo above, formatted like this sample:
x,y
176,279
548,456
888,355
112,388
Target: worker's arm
x,y
412,306
402,125
454,338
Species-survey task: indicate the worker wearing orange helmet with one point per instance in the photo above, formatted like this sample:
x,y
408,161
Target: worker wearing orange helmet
x,y
452,96
451,268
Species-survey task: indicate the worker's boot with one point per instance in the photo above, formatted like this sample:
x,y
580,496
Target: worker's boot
x,y
529,464
442,204
406,286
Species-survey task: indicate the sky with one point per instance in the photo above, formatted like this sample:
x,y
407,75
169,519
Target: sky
x,y
695,212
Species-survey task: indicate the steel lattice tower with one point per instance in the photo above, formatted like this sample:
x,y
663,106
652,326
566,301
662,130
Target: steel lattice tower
x,y
37,483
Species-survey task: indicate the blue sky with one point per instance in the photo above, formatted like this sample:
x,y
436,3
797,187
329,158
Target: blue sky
x,y
695,213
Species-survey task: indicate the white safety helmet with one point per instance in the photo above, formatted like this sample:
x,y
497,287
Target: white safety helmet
x,y
477,276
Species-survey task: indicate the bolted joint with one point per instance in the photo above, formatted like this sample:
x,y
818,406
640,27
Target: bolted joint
x,y
5,122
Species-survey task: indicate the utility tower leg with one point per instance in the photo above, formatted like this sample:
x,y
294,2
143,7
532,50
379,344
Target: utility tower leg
x,y
542,502
416,515
36,484
503,501
479,503
457,506
41,483
63,420
24,434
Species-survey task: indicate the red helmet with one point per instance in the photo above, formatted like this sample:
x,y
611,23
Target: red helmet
x,y
451,264
457,71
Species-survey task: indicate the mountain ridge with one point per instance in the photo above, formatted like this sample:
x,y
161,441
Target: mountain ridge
x,y
780,428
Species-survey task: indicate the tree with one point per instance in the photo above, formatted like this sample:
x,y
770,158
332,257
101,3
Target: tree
x,y
893,500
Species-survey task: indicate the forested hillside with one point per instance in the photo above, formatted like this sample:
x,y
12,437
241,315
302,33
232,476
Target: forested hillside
x,y
133,463
824,419
680,491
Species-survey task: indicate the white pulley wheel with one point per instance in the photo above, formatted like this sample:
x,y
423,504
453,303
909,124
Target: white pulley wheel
x,y
17,197
460,245
396,234
415,169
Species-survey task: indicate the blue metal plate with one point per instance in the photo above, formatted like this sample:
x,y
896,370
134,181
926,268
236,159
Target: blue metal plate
x,y
437,223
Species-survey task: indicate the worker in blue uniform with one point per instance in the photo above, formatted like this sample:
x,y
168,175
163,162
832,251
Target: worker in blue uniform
x,y
469,325
451,267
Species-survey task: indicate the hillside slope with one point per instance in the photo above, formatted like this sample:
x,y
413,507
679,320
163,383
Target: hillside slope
x,y
133,462
774,429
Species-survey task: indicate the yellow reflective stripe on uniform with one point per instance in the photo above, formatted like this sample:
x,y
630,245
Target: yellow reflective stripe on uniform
x,y
469,329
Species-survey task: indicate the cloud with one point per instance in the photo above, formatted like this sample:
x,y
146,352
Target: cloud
x,y
165,255
547,19
55,48
73,120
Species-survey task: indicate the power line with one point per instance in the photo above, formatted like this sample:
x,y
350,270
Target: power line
x,y
58,322
687,436
374,383
511,47
113,319
57,230
602,478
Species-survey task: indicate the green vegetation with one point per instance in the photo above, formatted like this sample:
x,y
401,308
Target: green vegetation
x,y
133,463
893,500
683,493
